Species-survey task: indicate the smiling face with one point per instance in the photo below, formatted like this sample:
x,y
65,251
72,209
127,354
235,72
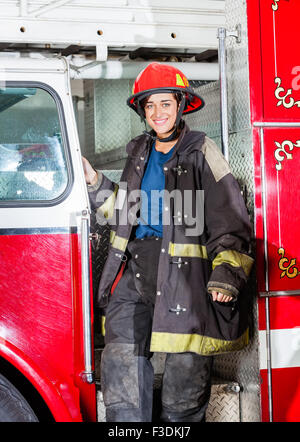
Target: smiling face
x,y
161,112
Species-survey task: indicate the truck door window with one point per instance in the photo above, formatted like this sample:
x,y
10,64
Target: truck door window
x,y
32,156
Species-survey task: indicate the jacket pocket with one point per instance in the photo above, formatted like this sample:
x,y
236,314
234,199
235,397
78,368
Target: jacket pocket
x,y
224,320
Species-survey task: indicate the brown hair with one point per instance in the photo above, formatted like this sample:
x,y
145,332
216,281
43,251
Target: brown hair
x,y
144,101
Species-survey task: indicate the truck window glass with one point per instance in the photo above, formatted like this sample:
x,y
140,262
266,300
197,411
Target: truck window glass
x,y
32,160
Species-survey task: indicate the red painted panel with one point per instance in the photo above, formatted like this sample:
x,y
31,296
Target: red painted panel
x,y
273,35
285,312
259,228
283,229
254,53
40,311
259,231
282,160
280,33
286,394
261,314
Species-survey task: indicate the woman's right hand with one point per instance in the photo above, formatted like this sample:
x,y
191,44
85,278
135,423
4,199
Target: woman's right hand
x,y
90,173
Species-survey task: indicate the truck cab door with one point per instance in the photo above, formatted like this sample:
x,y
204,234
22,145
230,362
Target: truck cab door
x,y
44,226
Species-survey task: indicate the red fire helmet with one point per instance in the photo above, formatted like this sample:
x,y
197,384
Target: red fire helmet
x,y
162,78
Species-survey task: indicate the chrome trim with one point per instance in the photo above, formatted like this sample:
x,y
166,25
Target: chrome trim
x,y
269,360
221,35
223,91
275,124
268,336
87,375
272,294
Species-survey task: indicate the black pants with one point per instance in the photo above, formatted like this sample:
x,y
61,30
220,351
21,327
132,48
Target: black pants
x,y
126,370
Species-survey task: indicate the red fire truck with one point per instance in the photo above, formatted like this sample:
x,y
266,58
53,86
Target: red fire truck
x,y
242,57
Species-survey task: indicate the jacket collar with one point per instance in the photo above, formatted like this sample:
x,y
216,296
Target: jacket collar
x,y
188,142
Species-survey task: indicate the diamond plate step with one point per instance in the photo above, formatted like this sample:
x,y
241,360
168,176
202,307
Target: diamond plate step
x,y
224,404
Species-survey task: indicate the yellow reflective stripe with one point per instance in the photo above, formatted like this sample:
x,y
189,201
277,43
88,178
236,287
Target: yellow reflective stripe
x,y
179,80
235,259
103,325
188,250
112,234
203,345
117,242
107,208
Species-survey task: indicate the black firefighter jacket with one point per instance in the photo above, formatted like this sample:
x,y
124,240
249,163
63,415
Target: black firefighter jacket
x,y
205,245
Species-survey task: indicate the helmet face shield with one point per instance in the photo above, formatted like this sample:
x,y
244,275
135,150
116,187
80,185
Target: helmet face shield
x,y
160,78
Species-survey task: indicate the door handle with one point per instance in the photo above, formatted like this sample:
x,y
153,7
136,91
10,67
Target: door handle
x,y
88,374
222,34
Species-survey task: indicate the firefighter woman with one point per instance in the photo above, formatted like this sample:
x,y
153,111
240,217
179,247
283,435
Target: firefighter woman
x,y
184,256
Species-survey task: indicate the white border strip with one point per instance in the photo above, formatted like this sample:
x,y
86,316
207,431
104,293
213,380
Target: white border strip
x,y
285,345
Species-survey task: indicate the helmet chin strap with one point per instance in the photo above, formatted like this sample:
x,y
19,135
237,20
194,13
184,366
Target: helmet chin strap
x,y
175,128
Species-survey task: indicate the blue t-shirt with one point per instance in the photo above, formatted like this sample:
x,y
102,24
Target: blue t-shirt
x,y
152,187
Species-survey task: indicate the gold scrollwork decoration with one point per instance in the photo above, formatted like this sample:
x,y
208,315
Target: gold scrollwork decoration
x,y
287,270
280,153
282,98
275,5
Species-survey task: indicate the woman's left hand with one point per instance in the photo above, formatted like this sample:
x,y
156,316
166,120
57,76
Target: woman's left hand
x,y
218,296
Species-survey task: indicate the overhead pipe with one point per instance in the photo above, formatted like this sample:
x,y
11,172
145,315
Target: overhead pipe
x,y
114,69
